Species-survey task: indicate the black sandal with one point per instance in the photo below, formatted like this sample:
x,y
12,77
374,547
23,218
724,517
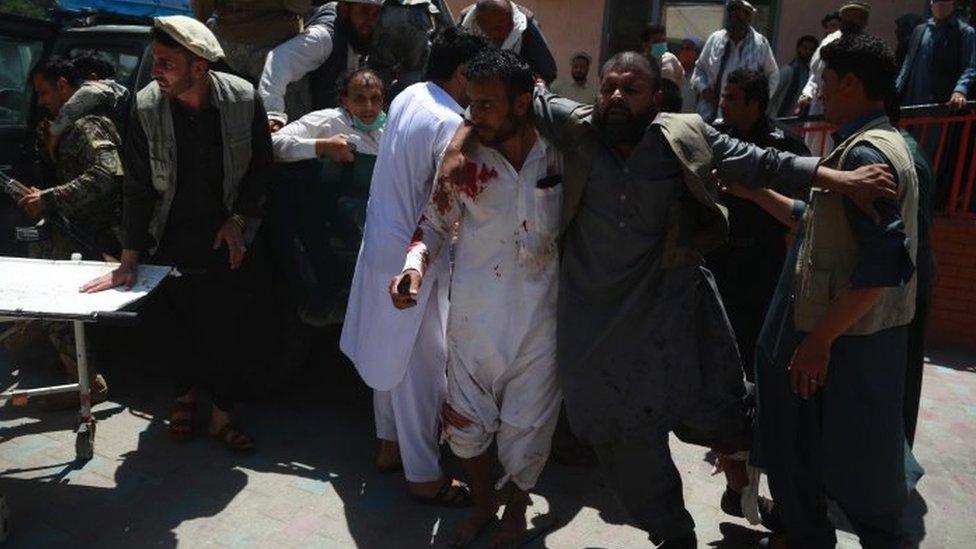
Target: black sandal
x,y
460,498
228,434
182,429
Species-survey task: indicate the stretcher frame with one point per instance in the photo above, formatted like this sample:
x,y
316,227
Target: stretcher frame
x,y
85,432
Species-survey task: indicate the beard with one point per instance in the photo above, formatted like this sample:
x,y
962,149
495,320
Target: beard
x,y
504,133
176,87
629,131
360,44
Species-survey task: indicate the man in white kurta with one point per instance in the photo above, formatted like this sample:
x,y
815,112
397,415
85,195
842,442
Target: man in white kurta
x,y
854,18
356,126
501,331
401,355
738,46
302,139
501,327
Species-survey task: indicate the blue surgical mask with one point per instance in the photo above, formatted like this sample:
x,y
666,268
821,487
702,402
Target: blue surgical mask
x,y
364,127
659,49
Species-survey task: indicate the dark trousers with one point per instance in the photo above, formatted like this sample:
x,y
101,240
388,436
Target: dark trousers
x,y
746,277
641,473
847,443
197,319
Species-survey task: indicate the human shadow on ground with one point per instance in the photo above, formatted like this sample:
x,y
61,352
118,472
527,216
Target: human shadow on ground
x,y
957,359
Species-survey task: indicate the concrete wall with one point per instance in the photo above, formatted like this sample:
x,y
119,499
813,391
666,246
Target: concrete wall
x,y
571,25
568,25
799,17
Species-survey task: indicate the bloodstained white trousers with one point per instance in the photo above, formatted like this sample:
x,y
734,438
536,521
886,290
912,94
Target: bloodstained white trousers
x,y
410,412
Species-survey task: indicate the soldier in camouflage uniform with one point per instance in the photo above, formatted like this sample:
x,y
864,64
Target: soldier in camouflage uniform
x,y
87,195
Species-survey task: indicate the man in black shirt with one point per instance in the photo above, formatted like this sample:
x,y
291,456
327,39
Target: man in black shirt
x,y
197,157
747,267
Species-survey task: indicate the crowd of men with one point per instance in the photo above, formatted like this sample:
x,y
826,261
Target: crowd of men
x,y
648,255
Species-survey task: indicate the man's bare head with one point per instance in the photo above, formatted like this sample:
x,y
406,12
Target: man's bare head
x,y
495,19
629,96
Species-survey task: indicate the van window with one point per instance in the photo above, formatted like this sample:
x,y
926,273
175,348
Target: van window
x,y
125,62
17,59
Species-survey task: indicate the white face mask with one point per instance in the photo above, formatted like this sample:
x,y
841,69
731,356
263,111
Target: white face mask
x,y
942,10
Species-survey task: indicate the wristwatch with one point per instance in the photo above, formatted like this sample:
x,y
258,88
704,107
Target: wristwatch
x,y
239,219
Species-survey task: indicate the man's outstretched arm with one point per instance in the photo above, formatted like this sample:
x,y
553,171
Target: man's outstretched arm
x,y
755,167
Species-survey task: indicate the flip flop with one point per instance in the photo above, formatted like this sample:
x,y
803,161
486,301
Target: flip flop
x,y
443,498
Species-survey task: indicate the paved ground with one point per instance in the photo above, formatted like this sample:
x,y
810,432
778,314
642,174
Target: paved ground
x,y
311,484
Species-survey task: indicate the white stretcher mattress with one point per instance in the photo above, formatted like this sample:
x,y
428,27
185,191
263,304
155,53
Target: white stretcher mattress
x,y
47,287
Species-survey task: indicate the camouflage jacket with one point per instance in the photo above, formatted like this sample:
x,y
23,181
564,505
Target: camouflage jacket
x,y
89,190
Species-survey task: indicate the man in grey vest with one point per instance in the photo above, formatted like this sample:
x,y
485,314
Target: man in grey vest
x,y
197,158
644,347
831,360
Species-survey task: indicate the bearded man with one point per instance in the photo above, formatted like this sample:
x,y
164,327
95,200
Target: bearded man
x,y
197,158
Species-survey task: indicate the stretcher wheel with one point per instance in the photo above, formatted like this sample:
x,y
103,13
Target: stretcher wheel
x,y
85,441
4,519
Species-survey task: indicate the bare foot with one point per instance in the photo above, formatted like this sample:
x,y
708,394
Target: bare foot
x,y
388,456
513,525
474,523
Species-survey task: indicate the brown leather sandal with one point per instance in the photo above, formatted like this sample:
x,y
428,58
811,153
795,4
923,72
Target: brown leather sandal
x,y
234,439
182,429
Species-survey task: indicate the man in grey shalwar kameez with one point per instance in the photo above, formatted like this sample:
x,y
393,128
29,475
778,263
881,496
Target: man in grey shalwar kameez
x,y
644,346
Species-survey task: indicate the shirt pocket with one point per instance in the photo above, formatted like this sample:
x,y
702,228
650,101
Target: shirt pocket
x,y
538,231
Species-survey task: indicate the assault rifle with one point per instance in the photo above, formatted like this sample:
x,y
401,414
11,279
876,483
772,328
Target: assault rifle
x,y
36,233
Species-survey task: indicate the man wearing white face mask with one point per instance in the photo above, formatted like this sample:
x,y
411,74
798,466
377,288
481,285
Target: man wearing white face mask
x,y
654,43
737,46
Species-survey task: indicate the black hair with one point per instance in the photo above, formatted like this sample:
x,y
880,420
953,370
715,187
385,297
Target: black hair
x,y
58,68
866,57
672,96
633,61
91,63
504,65
450,48
808,38
342,84
754,84
832,16
651,30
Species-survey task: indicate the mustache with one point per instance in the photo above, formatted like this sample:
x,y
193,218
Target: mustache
x,y
618,110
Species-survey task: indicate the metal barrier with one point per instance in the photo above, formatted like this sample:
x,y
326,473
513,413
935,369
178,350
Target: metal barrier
x,y
947,138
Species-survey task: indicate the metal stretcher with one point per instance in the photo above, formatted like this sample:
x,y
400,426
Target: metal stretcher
x,y
37,289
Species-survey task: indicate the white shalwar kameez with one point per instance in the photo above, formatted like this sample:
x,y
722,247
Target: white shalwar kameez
x,y
401,354
501,335
819,142
296,141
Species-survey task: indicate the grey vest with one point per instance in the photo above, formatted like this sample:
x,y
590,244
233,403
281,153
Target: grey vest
x,y
829,251
234,98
